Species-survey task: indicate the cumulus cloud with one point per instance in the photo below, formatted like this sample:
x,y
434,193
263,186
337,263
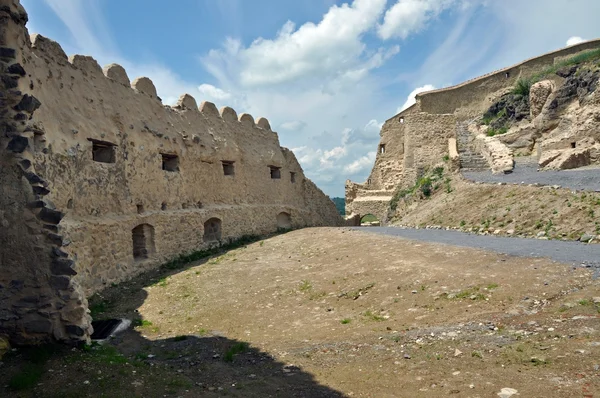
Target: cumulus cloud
x,y
574,40
352,156
410,100
410,16
214,92
364,163
332,47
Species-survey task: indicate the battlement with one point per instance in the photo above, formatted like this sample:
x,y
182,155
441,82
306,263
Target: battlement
x,y
89,67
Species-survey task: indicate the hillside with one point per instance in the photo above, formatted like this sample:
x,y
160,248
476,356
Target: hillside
x,y
502,209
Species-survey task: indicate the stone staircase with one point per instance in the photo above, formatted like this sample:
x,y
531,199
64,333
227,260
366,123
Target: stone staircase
x,y
526,162
470,159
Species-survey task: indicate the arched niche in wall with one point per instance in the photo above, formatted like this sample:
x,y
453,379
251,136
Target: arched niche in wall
x,y
143,241
284,220
212,230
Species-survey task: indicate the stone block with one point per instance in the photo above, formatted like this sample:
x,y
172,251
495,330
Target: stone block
x,y
39,190
35,179
62,266
39,325
7,53
16,69
18,144
50,216
10,81
28,104
74,330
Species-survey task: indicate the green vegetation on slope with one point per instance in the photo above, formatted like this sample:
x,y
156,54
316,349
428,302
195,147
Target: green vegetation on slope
x,y
514,106
340,204
425,186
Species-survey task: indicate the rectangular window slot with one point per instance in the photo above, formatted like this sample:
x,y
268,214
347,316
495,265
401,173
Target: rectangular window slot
x,y
275,172
103,151
292,177
382,149
170,162
228,168
573,145
104,329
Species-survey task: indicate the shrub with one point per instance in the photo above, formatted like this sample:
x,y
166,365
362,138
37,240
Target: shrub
x,y
237,348
492,132
523,86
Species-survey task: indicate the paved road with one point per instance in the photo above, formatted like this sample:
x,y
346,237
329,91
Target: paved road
x,y
581,179
576,253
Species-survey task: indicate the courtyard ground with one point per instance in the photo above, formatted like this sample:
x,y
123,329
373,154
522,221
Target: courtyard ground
x,y
332,312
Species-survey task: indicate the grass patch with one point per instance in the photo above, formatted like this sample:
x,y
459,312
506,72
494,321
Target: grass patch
x,y
106,354
345,321
305,286
492,132
355,294
492,286
317,295
98,306
32,371
27,378
369,218
163,282
234,350
471,293
373,317
181,261
583,57
425,185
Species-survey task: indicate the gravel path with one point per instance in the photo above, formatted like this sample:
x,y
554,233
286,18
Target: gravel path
x,y
581,179
576,253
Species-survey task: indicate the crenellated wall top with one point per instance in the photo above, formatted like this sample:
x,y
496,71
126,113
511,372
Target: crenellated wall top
x,y
50,49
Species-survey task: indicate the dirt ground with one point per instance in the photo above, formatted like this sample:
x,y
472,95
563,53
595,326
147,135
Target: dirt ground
x,y
517,210
326,312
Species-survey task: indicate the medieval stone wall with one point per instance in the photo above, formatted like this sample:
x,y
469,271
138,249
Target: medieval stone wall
x,y
473,97
133,183
38,298
419,137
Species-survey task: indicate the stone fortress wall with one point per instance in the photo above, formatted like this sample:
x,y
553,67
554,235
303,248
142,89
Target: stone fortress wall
x,y
100,181
419,137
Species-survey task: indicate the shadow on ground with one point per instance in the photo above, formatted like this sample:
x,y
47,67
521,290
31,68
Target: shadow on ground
x,y
205,364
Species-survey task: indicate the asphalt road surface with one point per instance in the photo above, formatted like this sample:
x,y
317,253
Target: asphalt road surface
x,y
569,252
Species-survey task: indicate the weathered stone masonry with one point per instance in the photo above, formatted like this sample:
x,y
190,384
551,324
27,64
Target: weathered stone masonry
x,y
39,299
100,181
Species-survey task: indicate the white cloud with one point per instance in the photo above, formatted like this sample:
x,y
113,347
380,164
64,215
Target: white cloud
x,y
330,48
352,156
214,92
574,40
410,16
364,163
410,100
294,125
84,30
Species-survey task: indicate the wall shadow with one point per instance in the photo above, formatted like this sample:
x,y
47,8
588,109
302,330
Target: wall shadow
x,y
207,364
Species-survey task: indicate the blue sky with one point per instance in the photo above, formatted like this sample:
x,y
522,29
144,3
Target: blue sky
x,y
325,73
